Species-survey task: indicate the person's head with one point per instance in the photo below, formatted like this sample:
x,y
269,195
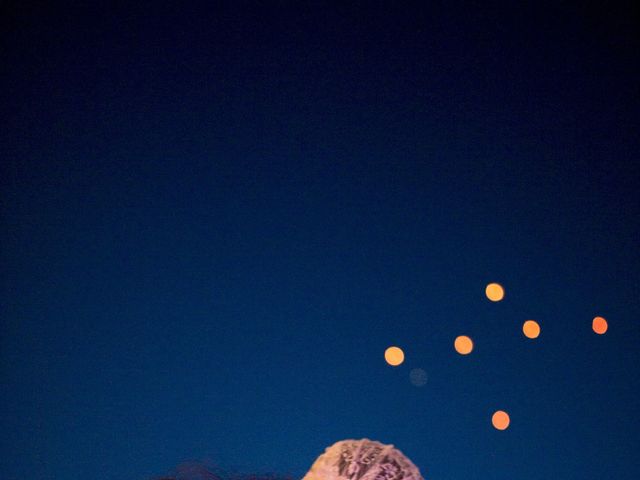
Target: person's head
x,y
345,460
199,471
362,460
192,471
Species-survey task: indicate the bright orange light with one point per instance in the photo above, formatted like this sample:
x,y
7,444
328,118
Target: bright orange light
x,y
599,325
394,356
463,345
494,292
500,420
531,329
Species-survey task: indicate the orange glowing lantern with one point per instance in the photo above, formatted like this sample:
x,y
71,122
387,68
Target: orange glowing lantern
x,y
531,329
500,420
600,325
494,292
394,356
463,345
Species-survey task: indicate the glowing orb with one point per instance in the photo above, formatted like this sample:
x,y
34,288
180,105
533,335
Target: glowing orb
x,y
500,420
531,329
599,325
394,356
463,345
494,292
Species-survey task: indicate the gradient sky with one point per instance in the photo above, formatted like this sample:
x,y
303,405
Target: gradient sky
x,y
215,221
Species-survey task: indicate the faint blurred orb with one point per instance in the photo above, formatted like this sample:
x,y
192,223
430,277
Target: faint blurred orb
x,y
463,345
418,377
500,420
394,356
599,325
531,329
494,292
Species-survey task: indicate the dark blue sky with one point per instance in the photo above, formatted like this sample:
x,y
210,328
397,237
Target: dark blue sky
x,y
215,220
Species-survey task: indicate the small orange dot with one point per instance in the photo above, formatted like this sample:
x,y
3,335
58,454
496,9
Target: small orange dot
x,y
494,292
500,420
599,325
394,356
531,329
463,345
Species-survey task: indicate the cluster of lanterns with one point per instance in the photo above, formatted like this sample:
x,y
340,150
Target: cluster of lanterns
x,y
394,356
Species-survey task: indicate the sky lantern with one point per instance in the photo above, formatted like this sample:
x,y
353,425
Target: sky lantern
x,y
494,292
500,420
463,345
394,356
531,329
599,325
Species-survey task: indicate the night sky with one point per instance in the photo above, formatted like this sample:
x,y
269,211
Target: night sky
x,y
215,219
